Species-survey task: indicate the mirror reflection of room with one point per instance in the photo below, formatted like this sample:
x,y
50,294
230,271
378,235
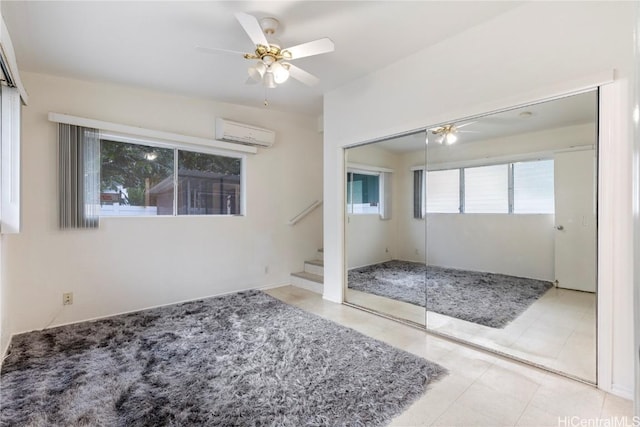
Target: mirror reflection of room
x,y
497,225
378,236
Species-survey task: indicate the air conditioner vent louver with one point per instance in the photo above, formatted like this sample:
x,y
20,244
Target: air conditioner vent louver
x,y
227,130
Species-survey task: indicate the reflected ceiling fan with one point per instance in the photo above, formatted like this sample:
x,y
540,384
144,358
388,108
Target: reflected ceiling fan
x,y
448,134
270,62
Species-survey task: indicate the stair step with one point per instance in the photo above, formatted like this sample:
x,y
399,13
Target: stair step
x,y
309,276
308,281
314,267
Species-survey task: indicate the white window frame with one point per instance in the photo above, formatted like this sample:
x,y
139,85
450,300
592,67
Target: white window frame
x,y
10,213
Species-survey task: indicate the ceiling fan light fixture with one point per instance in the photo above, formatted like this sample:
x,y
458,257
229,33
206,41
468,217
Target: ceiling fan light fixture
x,y
280,72
257,71
269,81
450,138
268,60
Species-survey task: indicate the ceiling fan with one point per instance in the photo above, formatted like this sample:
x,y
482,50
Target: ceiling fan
x,y
271,63
447,134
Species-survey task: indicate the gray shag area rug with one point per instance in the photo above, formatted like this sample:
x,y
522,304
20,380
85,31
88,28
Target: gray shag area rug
x,y
488,299
245,359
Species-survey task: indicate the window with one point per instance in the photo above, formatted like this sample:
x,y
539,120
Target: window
x,y
208,184
519,188
533,191
486,189
142,180
443,191
363,193
135,179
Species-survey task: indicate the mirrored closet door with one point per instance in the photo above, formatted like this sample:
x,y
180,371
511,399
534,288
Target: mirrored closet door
x,y
494,220
511,234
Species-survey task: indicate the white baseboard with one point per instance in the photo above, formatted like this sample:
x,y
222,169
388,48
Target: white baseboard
x,y
251,288
621,391
278,285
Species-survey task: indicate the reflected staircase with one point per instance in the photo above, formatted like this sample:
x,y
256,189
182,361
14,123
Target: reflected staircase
x,y
311,277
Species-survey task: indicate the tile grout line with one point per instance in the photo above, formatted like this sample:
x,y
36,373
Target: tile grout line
x,y
528,404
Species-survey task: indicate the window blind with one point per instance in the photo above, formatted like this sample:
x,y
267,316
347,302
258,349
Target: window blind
x,y
78,176
418,194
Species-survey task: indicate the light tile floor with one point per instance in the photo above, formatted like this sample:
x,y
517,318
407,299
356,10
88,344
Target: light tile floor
x,y
558,331
481,389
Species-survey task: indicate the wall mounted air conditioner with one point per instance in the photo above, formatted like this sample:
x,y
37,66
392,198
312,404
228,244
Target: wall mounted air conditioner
x,y
226,130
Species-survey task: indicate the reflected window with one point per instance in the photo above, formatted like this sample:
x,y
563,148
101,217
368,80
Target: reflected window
x,y
486,189
533,189
363,193
443,191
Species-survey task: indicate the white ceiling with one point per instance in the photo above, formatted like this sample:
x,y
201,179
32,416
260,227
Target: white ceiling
x,y
151,44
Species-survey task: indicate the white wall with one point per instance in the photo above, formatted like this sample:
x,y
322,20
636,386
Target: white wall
x,y
521,245
533,52
134,263
370,240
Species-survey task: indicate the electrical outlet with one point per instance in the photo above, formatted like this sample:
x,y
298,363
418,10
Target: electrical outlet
x,y
266,269
67,298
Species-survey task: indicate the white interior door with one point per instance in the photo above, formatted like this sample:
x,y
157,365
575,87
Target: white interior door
x,y
575,220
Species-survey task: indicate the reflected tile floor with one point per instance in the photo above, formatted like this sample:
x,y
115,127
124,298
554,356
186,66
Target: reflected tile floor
x,y
557,331
481,389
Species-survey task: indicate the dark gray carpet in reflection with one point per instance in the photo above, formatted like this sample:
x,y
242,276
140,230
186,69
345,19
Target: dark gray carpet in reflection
x,y
245,359
488,299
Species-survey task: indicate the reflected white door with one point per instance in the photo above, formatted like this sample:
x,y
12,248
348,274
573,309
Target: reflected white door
x,y
575,220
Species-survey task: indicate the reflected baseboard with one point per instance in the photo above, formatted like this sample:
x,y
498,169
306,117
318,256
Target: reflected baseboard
x,y
387,316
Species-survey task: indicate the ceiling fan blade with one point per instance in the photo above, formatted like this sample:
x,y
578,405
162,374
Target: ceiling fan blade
x,y
252,28
217,50
464,124
315,47
303,76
